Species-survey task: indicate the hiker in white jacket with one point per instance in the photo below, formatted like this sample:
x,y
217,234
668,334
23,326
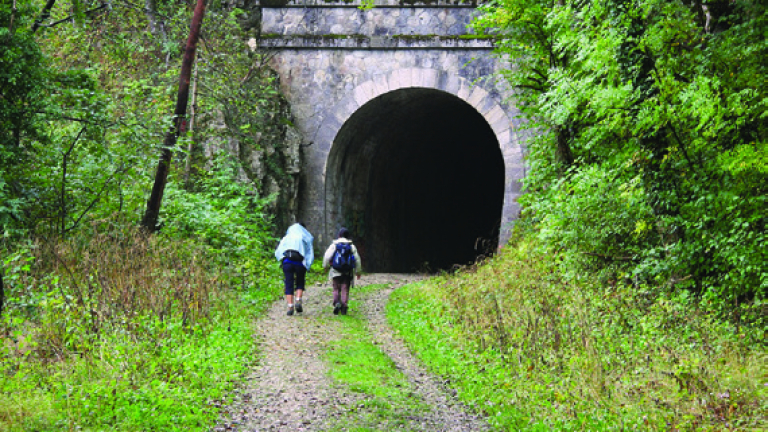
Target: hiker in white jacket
x,y
342,280
295,255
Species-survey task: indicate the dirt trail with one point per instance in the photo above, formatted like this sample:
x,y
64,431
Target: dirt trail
x,y
289,388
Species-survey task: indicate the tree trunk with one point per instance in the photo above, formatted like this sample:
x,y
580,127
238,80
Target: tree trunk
x,y
10,33
191,146
563,153
44,15
2,293
156,25
151,10
161,175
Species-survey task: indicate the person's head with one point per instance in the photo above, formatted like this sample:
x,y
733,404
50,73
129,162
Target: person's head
x,y
343,232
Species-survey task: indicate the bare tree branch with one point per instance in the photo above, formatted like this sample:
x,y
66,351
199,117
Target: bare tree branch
x,y
89,13
62,197
610,257
122,169
191,146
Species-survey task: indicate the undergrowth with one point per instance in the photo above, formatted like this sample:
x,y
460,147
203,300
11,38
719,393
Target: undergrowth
x,y
536,352
123,332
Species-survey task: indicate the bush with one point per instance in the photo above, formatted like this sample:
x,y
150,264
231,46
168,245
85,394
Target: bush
x,y
536,351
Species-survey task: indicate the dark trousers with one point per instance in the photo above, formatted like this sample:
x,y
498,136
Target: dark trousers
x,y
341,289
295,276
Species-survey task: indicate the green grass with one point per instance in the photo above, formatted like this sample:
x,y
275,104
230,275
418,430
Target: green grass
x,y
539,353
363,290
153,343
357,364
132,384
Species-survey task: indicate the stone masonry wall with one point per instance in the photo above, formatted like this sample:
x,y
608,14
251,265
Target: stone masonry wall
x,y
332,60
380,21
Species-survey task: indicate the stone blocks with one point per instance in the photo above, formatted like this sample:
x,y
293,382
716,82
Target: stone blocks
x,y
327,84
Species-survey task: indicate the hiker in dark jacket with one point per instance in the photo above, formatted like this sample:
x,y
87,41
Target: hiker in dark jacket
x,y
295,255
342,281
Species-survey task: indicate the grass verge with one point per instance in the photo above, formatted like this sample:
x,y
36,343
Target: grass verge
x,y
137,336
135,384
535,352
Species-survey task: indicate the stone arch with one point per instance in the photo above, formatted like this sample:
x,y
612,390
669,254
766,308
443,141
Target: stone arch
x,y
415,84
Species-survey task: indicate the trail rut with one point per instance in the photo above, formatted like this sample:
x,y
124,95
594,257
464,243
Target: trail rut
x,y
289,388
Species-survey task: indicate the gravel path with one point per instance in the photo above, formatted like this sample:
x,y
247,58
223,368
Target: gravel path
x,y
289,388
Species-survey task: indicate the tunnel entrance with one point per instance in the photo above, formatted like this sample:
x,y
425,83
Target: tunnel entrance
x,y
417,175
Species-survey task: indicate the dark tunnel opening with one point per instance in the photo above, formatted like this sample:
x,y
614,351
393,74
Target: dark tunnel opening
x,y
418,177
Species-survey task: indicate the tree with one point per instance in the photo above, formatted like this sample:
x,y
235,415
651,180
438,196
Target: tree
x,y
161,176
652,156
526,38
2,293
24,82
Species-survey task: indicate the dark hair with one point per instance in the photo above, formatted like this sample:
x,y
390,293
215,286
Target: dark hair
x,y
343,233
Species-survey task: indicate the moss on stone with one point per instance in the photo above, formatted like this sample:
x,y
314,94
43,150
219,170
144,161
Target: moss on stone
x,y
441,37
436,2
274,3
363,38
477,37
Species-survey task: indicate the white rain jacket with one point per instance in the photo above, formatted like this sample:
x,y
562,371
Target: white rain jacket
x,y
329,255
299,239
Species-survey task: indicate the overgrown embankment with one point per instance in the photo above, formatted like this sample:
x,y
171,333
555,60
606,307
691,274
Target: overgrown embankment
x,y
122,332
538,352
102,328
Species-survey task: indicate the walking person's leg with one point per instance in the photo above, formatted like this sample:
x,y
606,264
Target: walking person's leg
x,y
336,295
345,284
301,278
289,281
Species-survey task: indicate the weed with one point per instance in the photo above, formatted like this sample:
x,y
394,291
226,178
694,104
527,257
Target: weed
x,y
536,351
122,332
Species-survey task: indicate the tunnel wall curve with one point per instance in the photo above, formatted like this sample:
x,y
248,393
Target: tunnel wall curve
x,y
485,103
334,59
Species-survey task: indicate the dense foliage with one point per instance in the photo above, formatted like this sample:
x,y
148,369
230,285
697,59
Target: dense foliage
x,y
651,162
52,127
88,98
536,351
102,326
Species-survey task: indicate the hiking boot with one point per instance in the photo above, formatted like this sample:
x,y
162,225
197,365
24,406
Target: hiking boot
x,y
344,310
299,309
336,308
290,311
